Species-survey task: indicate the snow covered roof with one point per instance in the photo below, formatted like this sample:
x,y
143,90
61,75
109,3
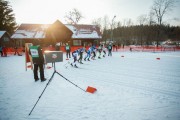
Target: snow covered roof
x,y
2,33
85,31
36,31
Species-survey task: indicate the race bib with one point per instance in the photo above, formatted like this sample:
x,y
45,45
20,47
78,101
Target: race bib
x,y
67,47
34,53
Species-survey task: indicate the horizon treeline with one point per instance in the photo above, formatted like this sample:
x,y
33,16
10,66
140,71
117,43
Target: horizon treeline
x,y
142,34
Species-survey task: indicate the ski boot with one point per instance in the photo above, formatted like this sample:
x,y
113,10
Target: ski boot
x,y
75,66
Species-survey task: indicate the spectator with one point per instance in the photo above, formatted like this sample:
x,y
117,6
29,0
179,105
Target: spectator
x,y
68,50
16,51
109,47
114,46
4,50
38,60
57,47
1,50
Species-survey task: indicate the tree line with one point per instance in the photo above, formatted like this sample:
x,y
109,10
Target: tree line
x,y
150,28
142,34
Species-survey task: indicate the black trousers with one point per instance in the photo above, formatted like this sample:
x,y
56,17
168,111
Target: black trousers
x,y
68,53
109,52
40,66
1,53
81,56
16,52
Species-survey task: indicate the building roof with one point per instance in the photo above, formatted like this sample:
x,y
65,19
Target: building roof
x,y
2,33
36,31
40,31
85,31
58,31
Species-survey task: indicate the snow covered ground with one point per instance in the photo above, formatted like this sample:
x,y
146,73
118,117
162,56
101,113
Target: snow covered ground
x,y
134,87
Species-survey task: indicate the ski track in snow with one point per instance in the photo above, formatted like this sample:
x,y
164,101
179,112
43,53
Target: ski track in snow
x,y
134,87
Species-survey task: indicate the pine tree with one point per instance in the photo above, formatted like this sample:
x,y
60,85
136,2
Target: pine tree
x,y
7,17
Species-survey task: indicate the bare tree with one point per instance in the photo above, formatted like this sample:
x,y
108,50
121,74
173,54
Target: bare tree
x,y
97,22
142,19
73,16
105,25
105,22
162,7
127,22
151,20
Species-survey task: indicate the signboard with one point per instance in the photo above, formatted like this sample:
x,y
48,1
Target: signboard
x,y
53,56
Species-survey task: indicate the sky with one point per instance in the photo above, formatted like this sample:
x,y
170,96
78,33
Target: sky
x,y
48,11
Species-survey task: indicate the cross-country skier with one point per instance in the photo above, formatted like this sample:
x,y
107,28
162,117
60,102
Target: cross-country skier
x,y
104,50
75,54
89,51
100,50
109,47
81,51
93,52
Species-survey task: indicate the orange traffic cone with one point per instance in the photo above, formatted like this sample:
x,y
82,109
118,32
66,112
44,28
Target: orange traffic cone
x,y
91,89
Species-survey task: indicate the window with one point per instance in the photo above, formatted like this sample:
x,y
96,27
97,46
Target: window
x,y
6,39
76,42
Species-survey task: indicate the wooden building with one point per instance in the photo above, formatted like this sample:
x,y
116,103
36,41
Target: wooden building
x,y
46,33
5,39
50,34
84,35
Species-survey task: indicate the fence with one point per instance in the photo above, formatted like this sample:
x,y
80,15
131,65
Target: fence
x,y
132,48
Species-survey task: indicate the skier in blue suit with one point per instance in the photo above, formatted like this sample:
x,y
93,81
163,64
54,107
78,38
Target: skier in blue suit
x,y
75,54
89,51
88,54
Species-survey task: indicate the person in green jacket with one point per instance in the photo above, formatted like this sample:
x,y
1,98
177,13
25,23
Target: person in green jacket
x,y
68,50
38,60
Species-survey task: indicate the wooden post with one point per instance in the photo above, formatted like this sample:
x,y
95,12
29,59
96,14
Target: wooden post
x,y
28,57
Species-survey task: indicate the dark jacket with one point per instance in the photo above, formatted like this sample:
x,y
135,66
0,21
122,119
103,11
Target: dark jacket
x,y
68,48
37,54
109,47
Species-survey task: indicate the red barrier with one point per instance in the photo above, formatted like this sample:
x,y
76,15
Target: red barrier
x,y
11,50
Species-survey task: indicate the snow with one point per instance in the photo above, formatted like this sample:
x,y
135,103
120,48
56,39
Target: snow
x,y
134,87
39,32
28,34
83,33
2,33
